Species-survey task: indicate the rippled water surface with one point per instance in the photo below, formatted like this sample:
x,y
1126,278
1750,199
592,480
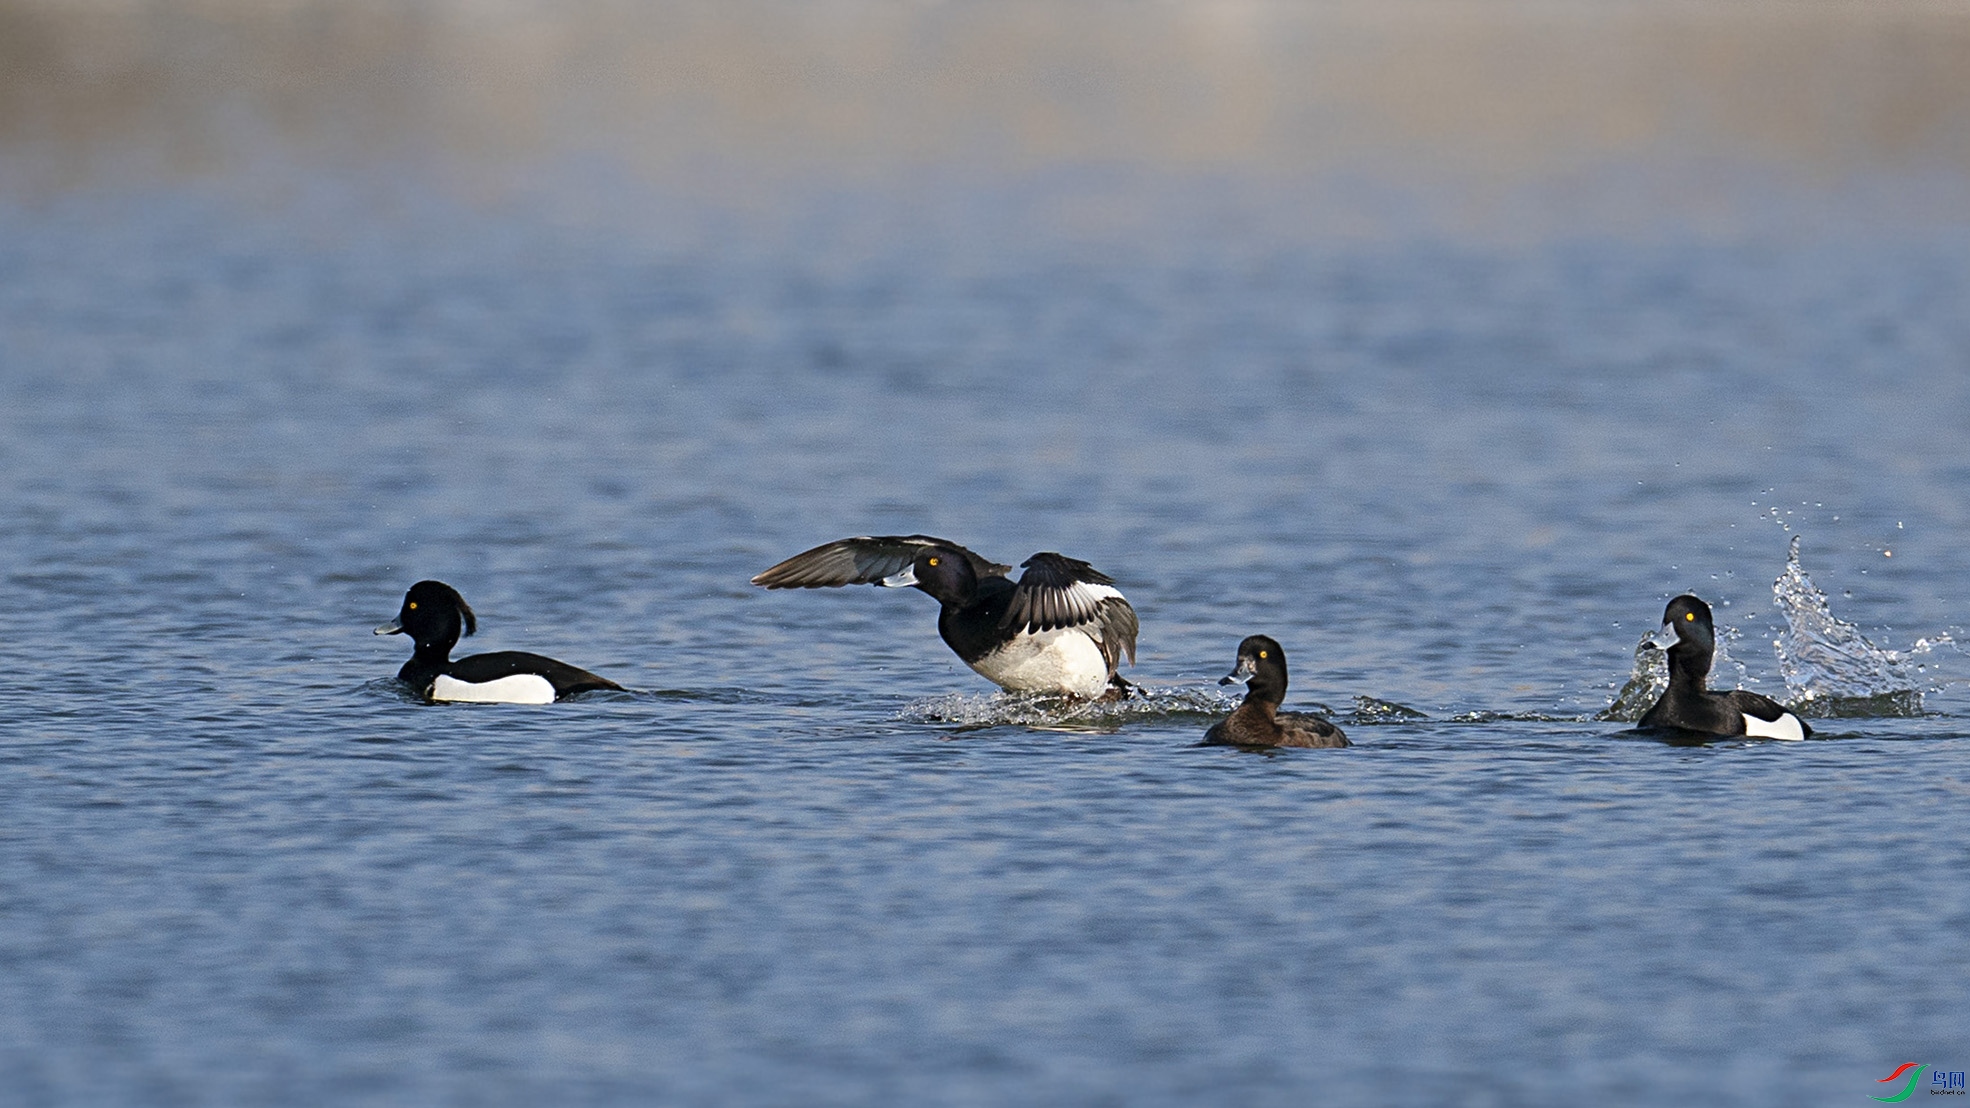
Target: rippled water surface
x,y
1455,463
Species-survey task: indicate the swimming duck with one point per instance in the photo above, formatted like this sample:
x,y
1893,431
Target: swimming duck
x,y
1258,721
1062,628
433,615
1688,704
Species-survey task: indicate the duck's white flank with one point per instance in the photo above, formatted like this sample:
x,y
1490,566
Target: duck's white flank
x,y
1064,660
1786,726
520,688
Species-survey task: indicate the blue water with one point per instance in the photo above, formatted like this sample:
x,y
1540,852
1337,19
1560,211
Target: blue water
x,y
812,859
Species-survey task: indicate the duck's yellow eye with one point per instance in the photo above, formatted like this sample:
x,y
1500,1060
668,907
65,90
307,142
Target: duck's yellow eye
x,y
1689,617
932,561
412,605
1262,654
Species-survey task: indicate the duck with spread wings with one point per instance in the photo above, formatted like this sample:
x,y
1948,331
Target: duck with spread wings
x,y
1063,627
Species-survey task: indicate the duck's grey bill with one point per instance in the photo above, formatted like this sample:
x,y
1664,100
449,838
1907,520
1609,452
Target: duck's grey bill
x,y
394,627
1240,675
901,580
1664,638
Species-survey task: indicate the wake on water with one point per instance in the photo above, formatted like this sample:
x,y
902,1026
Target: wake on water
x,y
974,711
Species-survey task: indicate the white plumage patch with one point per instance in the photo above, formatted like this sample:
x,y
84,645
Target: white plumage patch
x,y
1786,726
1055,605
1096,593
520,688
1058,661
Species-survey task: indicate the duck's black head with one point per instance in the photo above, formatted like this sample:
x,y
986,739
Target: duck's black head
x,y
433,615
1687,634
1262,667
940,571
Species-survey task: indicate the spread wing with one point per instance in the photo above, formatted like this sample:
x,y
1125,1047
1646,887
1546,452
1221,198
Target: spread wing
x,y
1057,591
1762,707
861,561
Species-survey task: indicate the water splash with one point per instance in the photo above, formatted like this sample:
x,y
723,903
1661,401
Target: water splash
x,y
1648,677
1369,711
972,711
1830,668
1485,715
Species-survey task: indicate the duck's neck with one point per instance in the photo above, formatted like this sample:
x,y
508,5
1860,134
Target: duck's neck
x,y
427,661
1689,667
1265,692
1263,710
435,652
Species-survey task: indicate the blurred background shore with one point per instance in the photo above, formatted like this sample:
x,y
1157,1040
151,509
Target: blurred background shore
x,y
1495,117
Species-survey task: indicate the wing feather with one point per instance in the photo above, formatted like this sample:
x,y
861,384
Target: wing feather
x,y
1057,592
863,560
